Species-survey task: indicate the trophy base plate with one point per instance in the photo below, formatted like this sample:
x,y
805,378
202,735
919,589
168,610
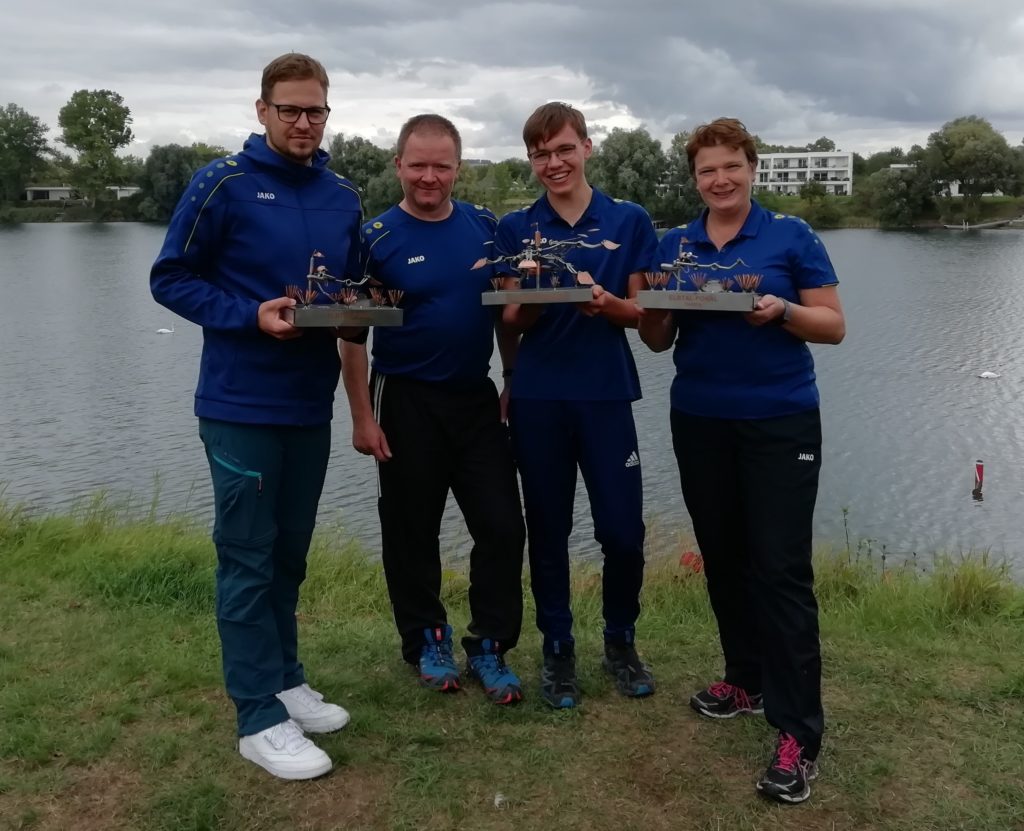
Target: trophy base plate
x,y
711,301
360,313
504,297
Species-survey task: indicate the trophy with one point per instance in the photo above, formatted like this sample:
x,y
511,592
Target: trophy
x,y
545,275
688,284
333,301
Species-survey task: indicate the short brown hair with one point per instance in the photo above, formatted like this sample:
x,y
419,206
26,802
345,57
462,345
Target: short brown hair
x,y
292,66
728,131
548,119
429,123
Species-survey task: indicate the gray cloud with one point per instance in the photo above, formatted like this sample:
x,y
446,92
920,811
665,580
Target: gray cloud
x,y
869,74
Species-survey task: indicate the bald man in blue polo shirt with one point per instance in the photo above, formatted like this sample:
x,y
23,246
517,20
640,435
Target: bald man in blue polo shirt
x,y
571,403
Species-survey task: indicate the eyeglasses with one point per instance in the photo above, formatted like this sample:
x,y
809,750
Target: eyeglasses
x,y
289,113
539,158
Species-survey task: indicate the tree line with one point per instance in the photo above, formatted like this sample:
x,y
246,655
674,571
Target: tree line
x,y
895,188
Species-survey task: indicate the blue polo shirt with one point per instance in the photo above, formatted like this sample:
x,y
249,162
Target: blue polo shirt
x,y
565,355
726,368
446,335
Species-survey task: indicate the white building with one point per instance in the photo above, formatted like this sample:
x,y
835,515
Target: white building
x,y
50,193
788,172
55,193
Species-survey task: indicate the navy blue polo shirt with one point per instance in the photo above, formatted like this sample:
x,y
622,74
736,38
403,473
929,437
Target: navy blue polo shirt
x,y
446,335
726,368
566,355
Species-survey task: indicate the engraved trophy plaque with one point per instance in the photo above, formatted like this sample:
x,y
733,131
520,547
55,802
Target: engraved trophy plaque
x,y
687,284
333,301
544,273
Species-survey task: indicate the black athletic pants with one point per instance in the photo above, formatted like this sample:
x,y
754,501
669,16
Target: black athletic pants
x,y
750,488
444,438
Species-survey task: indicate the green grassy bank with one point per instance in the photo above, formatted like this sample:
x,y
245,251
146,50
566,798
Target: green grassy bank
x,y
113,715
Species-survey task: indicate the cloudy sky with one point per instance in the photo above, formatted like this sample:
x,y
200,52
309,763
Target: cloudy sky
x,y
869,74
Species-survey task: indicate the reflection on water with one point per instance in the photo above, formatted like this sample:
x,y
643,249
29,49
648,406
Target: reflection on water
x,y
94,399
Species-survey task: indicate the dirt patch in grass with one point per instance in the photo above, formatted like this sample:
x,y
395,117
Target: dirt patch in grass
x,y
350,797
97,798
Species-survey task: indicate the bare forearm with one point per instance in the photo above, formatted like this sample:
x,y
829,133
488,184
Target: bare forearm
x,y
657,329
354,375
621,312
508,345
816,324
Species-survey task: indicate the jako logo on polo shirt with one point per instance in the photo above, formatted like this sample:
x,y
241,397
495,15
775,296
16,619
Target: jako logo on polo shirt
x,y
805,457
262,194
419,259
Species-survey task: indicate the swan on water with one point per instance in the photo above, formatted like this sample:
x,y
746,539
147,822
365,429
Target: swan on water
x,y
987,374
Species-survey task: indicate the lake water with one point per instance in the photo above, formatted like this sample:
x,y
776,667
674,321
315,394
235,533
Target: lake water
x,y
93,399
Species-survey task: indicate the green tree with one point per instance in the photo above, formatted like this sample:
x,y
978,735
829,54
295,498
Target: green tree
x,y
133,170
519,170
359,160
169,169
207,153
822,145
679,200
971,152
95,123
883,159
813,192
55,170
899,196
1016,187
381,192
485,184
23,150
763,147
629,165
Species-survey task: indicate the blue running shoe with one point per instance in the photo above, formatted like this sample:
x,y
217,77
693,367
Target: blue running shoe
x,y
500,683
437,663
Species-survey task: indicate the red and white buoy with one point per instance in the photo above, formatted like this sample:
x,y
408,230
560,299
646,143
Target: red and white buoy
x,y
979,479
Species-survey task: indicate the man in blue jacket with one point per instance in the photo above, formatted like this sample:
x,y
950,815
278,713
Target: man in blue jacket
x,y
244,229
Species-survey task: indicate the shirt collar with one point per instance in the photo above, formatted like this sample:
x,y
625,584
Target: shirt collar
x,y
757,217
592,214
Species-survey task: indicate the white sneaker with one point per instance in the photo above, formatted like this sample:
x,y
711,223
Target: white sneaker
x,y
283,751
307,708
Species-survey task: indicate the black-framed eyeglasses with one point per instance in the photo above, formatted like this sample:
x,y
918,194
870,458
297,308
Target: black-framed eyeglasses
x,y
289,113
539,158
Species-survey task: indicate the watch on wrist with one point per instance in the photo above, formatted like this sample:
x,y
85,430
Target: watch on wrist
x,y
787,310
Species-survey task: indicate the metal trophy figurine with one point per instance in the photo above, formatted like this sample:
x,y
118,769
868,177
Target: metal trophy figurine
x,y
694,289
343,301
542,266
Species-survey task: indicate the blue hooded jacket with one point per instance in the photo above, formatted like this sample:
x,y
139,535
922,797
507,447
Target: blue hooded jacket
x,y
244,229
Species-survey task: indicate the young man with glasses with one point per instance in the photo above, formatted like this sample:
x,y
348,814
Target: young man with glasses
x,y
245,229
571,403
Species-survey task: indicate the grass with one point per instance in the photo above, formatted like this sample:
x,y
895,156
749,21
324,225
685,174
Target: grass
x,y
114,715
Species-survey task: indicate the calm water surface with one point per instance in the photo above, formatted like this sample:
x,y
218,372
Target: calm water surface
x,y
93,399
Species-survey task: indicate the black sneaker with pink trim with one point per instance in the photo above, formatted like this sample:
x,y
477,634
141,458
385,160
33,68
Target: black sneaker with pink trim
x,y
789,776
722,700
